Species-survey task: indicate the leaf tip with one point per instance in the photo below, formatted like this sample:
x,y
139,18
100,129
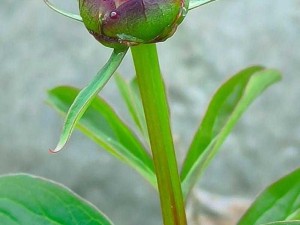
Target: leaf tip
x,y
67,14
57,149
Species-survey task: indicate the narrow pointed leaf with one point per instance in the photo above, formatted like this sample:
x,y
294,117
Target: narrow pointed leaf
x,y
279,202
86,95
103,126
224,110
131,96
196,3
26,199
64,13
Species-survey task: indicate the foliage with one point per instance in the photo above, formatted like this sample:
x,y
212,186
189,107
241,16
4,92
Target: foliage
x,y
26,199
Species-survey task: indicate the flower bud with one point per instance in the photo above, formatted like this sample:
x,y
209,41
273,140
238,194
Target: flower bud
x,y
132,22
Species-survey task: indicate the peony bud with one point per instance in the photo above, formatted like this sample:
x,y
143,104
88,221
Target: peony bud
x,y
131,22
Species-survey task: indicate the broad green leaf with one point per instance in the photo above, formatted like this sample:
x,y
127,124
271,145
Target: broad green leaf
x,y
64,13
294,222
86,95
295,215
279,202
30,200
196,3
224,110
131,96
103,126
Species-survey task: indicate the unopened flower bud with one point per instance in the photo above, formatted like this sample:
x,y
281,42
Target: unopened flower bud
x,y
132,22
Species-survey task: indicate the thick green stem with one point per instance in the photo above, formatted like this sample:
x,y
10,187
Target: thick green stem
x,y
158,123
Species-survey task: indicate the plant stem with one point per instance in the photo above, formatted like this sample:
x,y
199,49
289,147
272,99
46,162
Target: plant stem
x,y
158,123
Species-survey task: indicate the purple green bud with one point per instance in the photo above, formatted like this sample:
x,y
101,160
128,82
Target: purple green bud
x,y
132,22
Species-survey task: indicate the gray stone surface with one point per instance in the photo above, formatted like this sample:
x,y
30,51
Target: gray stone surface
x,y
40,49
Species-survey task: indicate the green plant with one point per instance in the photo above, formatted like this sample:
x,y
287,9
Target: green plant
x,y
44,202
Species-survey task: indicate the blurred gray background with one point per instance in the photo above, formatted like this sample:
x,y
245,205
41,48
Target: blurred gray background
x,y
41,49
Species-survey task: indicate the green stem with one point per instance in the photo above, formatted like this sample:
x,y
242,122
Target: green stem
x,y
158,123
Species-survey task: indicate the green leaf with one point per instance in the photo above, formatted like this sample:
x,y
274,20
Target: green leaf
x,y
103,126
224,110
86,95
64,13
196,3
131,95
279,202
26,199
295,222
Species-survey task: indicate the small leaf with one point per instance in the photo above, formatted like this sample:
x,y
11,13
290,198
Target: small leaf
x,y
64,13
26,199
131,96
102,125
294,222
224,110
86,95
196,3
279,202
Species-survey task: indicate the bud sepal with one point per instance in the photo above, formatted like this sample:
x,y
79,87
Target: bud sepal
x,y
132,22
